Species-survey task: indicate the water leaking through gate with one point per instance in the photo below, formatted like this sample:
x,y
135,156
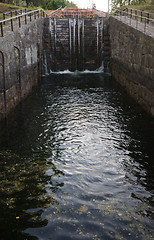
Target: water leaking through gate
x,y
74,44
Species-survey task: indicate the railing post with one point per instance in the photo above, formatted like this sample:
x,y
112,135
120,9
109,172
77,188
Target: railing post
x,y
25,16
4,17
131,13
11,22
16,13
25,19
141,16
135,14
136,20
148,15
30,17
19,23
145,26
2,29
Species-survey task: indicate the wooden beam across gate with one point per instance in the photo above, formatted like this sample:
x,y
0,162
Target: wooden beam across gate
x,y
75,12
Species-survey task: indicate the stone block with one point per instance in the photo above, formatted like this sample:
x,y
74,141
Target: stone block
x,y
133,62
20,50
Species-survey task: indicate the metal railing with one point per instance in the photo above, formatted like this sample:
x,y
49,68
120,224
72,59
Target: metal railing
x,y
20,19
140,19
6,15
73,12
54,12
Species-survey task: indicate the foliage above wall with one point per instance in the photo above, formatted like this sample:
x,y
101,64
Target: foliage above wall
x,y
147,5
46,4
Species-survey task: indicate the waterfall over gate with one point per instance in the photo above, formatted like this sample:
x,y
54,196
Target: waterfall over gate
x,y
73,43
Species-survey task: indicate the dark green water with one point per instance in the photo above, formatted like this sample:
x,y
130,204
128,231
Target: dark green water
x,y
77,162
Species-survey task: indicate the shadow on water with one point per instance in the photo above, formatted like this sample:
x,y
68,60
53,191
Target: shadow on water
x,y
24,192
76,162
23,166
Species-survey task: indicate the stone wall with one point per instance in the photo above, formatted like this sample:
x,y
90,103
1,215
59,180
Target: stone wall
x,y
20,64
42,46
132,62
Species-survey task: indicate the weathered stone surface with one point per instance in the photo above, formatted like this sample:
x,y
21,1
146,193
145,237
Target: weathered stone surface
x,y
132,62
46,45
20,68
72,44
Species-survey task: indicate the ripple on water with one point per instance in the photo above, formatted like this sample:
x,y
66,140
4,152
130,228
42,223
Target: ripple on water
x,y
80,165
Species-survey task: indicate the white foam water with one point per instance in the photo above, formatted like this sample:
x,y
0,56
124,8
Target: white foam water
x,y
77,72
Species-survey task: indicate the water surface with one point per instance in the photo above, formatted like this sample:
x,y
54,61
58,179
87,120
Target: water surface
x,y
77,162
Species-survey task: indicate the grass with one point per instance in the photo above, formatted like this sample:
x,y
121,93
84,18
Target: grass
x,y
144,6
9,7
147,6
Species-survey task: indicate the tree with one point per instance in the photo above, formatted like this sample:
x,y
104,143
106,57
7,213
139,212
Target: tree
x,y
71,4
28,2
46,4
94,6
7,1
18,2
35,3
54,4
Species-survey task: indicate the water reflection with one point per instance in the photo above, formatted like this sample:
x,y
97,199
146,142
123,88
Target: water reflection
x,y
137,141
24,192
25,159
76,163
